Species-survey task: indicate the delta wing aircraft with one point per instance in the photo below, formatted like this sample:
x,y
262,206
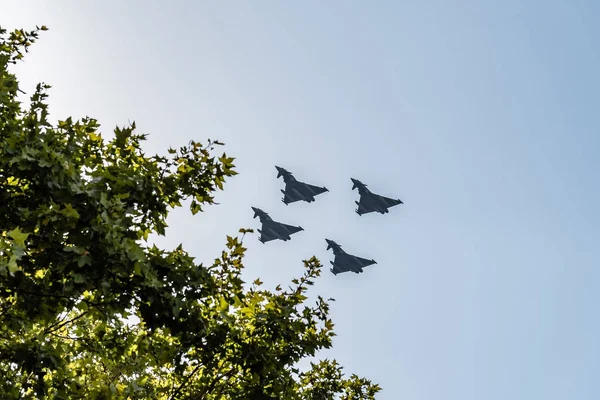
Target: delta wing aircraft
x,y
272,230
370,202
344,262
296,190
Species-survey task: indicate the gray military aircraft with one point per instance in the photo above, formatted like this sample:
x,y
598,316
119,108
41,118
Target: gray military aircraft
x,y
272,230
344,262
370,201
296,190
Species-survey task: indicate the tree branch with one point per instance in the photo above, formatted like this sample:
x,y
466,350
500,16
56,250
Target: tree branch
x,y
180,388
54,327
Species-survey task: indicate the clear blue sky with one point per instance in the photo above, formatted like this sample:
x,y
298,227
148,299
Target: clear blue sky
x,y
482,116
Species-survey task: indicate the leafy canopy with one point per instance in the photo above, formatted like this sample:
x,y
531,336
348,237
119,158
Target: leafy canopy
x,y
76,267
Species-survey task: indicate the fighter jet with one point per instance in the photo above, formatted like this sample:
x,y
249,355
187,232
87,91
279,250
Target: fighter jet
x,y
370,201
272,230
344,262
296,190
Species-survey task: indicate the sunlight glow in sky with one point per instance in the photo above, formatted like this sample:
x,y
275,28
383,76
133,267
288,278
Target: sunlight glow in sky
x,y
480,115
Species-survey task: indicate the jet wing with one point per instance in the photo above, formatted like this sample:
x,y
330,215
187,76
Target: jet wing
x,y
338,269
291,229
266,237
315,189
389,202
288,197
364,261
363,208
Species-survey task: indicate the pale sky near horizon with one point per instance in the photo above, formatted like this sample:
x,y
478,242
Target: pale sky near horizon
x,y
482,116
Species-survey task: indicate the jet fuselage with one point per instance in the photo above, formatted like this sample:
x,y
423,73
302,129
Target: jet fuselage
x,y
344,262
296,190
370,201
271,229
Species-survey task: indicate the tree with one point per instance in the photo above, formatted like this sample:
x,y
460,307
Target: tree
x,y
76,266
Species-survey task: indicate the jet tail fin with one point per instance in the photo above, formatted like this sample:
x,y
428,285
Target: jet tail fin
x,y
357,184
331,244
281,172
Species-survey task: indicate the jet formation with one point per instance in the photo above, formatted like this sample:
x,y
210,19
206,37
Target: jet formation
x,y
296,190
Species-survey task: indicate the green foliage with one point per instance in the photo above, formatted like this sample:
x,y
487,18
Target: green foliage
x,y
76,268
